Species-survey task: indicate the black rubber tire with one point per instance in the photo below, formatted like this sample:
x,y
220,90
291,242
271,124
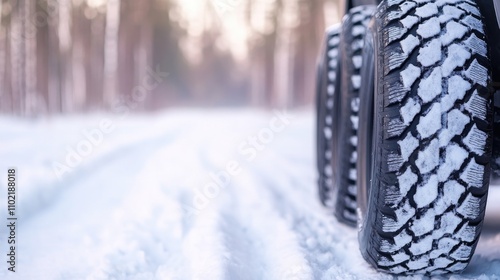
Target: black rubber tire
x,y
424,158
326,90
344,162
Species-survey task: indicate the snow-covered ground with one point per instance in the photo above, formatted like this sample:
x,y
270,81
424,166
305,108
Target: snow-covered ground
x,y
182,195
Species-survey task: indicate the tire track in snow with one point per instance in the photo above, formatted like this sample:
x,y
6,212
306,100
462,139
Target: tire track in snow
x,y
49,194
197,250
246,260
265,248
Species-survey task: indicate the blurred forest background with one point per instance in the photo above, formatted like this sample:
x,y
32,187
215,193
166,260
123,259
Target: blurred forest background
x,y
73,56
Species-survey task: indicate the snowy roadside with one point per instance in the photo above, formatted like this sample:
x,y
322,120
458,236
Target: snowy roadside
x,y
185,195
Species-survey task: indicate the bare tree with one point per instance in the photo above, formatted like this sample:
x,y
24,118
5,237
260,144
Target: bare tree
x,y
78,58
30,44
18,57
65,48
111,51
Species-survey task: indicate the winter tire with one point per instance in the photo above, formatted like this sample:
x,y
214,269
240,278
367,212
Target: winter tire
x,y
344,161
326,90
425,131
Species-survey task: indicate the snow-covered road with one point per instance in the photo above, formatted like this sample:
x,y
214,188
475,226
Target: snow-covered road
x,y
182,195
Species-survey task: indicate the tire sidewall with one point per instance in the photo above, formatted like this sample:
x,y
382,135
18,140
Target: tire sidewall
x,y
369,145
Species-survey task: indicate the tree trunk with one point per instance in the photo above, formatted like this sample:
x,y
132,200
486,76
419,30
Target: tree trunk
x,y
78,61
95,70
18,69
65,48
111,51
30,30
